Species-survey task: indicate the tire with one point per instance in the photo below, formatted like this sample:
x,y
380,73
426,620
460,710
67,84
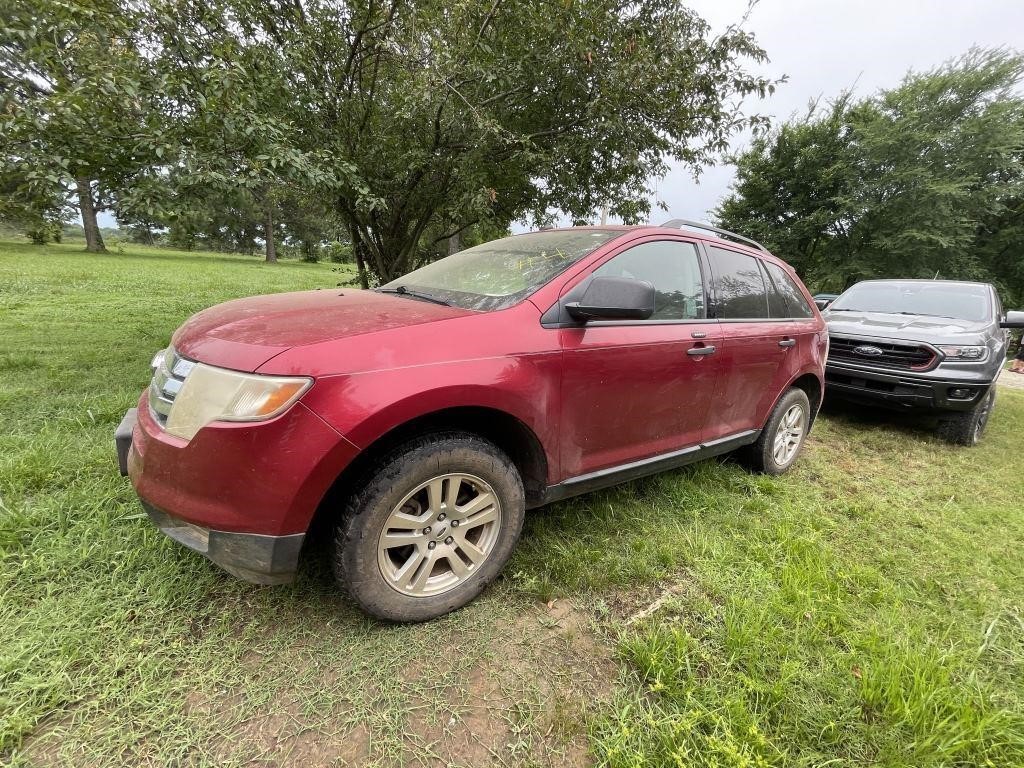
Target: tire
x,y
966,428
790,420
432,491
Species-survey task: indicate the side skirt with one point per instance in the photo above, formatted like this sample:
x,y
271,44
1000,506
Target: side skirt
x,y
603,478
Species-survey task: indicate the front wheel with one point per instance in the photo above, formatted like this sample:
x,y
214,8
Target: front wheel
x,y
783,435
966,428
431,528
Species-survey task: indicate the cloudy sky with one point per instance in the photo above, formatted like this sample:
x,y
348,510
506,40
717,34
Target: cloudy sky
x,y
824,46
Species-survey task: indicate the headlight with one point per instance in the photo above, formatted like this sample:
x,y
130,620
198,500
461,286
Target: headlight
x,y
215,394
974,354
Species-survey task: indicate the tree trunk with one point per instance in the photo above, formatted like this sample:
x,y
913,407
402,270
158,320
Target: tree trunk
x,y
93,238
357,249
454,244
268,235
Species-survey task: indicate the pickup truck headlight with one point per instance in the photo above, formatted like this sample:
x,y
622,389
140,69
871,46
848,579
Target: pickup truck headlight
x,y
973,354
216,394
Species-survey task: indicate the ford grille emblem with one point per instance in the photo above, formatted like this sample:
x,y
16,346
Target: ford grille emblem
x,y
867,351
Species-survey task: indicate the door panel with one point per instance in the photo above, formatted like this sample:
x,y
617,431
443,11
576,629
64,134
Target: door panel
x,y
755,346
632,390
753,373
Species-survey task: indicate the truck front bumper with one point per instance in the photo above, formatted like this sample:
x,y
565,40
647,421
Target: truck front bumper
x,y
902,391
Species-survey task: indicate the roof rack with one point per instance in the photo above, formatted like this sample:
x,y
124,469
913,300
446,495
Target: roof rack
x,y
686,223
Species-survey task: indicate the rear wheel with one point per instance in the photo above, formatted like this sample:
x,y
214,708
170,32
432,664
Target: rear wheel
x,y
431,528
966,428
783,435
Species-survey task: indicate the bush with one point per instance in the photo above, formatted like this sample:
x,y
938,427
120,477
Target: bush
x,y
338,252
43,231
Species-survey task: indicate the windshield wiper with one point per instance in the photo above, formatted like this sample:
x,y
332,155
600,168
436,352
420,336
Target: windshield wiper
x,y
924,314
401,290
891,312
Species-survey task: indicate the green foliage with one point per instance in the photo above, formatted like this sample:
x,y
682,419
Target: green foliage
x,y
44,232
921,180
338,253
437,116
407,123
81,105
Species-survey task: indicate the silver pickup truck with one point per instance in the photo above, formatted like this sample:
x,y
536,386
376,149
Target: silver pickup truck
x,y
930,345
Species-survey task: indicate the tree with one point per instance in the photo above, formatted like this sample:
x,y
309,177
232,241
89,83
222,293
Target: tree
x,y
921,180
39,212
439,116
79,108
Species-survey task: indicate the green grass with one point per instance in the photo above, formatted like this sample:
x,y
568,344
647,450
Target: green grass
x,y
867,609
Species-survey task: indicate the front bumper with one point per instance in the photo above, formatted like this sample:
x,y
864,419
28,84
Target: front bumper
x,y
251,557
904,391
242,495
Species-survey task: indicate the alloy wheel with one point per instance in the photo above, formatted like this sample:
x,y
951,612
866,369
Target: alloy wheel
x,y
788,436
439,535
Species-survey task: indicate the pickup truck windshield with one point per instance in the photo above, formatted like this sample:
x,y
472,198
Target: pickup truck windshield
x,y
961,301
500,273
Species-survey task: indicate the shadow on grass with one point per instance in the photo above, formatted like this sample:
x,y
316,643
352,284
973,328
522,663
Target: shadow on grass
x,y
846,414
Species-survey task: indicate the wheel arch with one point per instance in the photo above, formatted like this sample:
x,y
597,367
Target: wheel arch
x,y
507,432
812,386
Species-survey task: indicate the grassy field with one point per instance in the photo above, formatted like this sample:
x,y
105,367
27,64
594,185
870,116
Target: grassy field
x,y
864,610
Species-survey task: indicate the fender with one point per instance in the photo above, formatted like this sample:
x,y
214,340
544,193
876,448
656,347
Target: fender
x,y
808,370
364,407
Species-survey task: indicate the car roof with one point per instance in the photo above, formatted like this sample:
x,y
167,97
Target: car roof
x,y
696,233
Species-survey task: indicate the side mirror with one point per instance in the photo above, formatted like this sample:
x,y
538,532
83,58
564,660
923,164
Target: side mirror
x,y
822,303
1013,320
614,298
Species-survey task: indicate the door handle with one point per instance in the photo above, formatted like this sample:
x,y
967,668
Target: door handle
x,y
700,351
787,343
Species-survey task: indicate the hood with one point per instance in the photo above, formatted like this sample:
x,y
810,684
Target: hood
x,y
935,330
245,333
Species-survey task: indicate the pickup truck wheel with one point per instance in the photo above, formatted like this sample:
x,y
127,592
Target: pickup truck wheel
x,y
966,428
431,528
783,435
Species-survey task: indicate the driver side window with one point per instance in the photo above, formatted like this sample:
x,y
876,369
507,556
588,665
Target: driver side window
x,y
673,268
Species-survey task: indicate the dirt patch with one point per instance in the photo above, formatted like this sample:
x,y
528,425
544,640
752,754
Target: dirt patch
x,y
1011,380
636,605
43,746
495,686
545,669
280,732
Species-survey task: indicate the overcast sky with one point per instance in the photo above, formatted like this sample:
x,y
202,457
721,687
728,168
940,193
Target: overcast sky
x,y
824,46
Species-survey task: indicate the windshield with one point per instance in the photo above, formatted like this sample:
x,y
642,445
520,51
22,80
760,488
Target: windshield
x,y
503,272
960,301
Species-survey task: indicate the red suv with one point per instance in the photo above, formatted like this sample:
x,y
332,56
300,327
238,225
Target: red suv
x,y
423,418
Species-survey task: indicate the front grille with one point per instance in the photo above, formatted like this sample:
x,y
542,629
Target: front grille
x,y
881,354
168,378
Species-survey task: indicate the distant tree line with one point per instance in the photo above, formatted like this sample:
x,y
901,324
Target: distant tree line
x,y
403,129
924,180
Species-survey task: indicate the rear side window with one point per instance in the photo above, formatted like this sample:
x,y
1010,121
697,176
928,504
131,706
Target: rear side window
x,y
739,286
673,268
796,304
776,301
